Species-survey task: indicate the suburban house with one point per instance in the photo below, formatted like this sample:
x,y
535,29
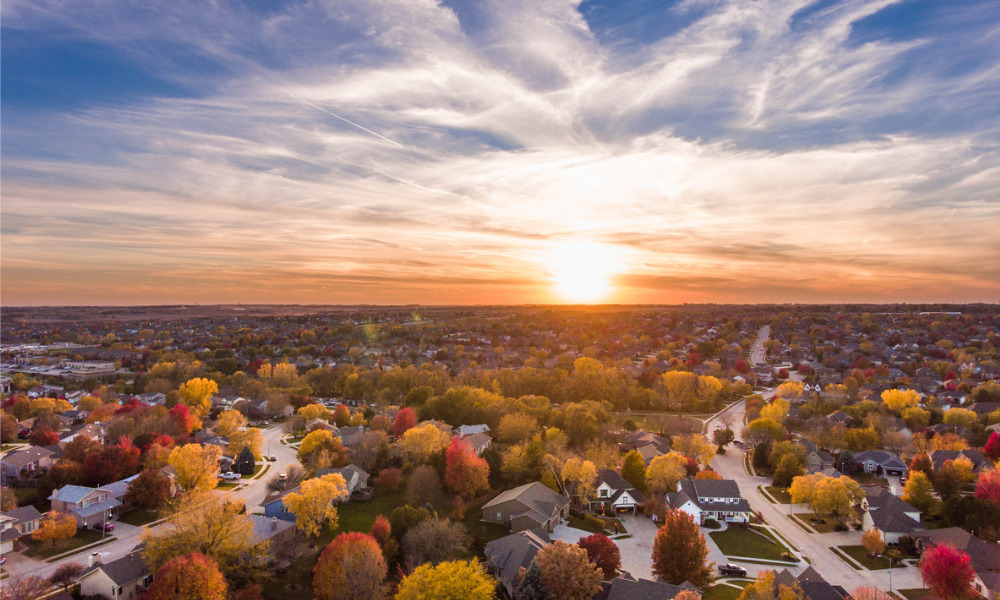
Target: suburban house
x,y
16,523
649,445
613,494
506,556
838,417
979,462
26,464
126,578
354,476
479,441
817,460
881,463
530,506
984,557
717,499
813,586
891,515
464,430
275,507
625,587
352,436
271,530
88,505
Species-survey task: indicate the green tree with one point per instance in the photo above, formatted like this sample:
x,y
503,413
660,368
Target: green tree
x,y
634,471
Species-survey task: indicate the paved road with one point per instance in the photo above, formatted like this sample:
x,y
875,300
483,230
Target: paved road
x,y
815,546
128,536
757,351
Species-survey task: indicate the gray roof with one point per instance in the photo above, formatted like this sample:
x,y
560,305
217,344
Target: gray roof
x,y
881,457
510,553
893,520
642,589
985,556
119,487
716,488
536,497
264,528
939,457
23,514
96,508
72,493
26,457
125,570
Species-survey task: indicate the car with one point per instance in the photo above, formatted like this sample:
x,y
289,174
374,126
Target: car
x,y
105,526
230,476
732,570
272,458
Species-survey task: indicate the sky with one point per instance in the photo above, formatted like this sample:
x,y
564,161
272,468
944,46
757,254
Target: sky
x,y
499,152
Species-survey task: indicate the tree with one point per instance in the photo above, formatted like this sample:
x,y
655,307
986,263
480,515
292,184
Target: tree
x,y
921,462
516,427
695,446
988,486
763,429
952,477
341,416
150,490
319,449
777,410
992,448
567,572
455,580
230,421
181,414
249,437
961,417
680,552
664,472
420,442
404,518
66,575
351,567
919,492
788,469
766,588
872,541
837,496
406,419
390,478
580,477
313,505
433,541
193,576
708,474
55,526
208,525
867,592
23,587
603,553
43,436
723,437
8,499
634,471
530,586
245,463
314,411
948,573
916,417
424,486
197,466
900,400
465,472
197,394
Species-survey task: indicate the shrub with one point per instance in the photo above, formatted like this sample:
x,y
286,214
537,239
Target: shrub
x,y
711,524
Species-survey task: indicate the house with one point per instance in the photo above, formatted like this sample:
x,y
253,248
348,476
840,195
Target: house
x,y
717,499
354,476
479,441
118,489
88,505
271,530
16,523
317,423
984,557
506,556
530,506
649,445
275,506
624,587
812,584
464,430
352,436
979,462
817,461
838,417
33,462
126,578
614,494
881,463
889,514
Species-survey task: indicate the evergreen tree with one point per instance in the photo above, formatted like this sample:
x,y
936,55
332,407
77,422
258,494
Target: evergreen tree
x,y
245,463
531,587
634,470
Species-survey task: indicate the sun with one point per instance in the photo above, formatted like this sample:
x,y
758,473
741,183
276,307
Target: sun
x,y
582,272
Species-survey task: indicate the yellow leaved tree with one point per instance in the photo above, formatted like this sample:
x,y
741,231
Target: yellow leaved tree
x,y
313,505
197,393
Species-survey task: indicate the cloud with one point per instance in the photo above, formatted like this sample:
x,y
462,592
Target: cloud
x,y
416,152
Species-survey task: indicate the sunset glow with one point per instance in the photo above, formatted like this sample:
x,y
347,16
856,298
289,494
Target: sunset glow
x,y
582,271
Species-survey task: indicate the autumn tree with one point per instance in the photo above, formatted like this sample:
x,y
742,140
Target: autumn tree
x,y
567,571
55,526
314,411
196,466
150,490
900,400
603,553
423,488
952,477
873,542
248,437
723,437
319,449
948,573
516,427
992,448
580,477
20,586
465,472
422,441
766,587
530,585
230,421
867,592
8,499
777,410
435,540
921,462
351,567
760,430
664,472
787,470
192,576
961,417
43,436
313,505
197,394
66,575
988,486
695,446
406,419
455,580
341,416
634,470
406,517
919,491
680,552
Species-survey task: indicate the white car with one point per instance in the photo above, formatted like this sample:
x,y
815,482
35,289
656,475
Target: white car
x,y
230,476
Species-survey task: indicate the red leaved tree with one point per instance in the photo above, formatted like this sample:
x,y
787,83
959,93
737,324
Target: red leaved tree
x,y
190,577
186,422
405,419
992,449
948,573
341,416
381,530
465,472
922,462
351,567
602,552
988,486
43,436
680,552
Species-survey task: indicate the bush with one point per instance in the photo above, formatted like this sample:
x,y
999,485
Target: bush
x,y
840,527
711,524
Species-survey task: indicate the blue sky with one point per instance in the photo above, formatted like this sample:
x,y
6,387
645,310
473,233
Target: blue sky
x,y
415,151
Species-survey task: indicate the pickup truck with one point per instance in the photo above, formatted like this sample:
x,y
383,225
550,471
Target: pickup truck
x,y
732,570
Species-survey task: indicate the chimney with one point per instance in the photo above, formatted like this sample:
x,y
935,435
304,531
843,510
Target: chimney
x,y
95,559
274,523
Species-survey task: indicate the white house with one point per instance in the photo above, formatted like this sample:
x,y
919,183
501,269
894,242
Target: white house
x,y
614,494
717,499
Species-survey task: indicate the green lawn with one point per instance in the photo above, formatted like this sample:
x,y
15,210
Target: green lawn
x,y
359,516
826,526
139,517
579,523
917,594
82,538
721,592
740,541
26,496
859,554
780,494
226,485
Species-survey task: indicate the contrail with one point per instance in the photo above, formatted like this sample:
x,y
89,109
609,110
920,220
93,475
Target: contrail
x,y
304,101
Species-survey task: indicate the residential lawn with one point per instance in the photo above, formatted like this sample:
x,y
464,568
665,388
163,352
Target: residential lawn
x,y
917,594
740,541
139,517
82,538
359,516
866,478
780,494
32,496
721,592
579,523
481,531
859,554
226,485
820,525
260,470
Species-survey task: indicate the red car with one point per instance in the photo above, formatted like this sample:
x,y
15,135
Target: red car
x,y
106,526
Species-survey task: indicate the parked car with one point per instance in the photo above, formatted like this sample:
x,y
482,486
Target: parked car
x,y
272,458
105,526
230,476
732,570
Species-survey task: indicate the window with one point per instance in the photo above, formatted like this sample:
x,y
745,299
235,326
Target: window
x,y
499,517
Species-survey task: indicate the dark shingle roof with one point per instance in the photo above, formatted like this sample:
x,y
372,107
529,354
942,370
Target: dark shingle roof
x,y
642,589
125,570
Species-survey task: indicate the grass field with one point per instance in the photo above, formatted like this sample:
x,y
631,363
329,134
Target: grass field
x,y
139,517
721,592
739,541
82,538
779,493
826,526
859,554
